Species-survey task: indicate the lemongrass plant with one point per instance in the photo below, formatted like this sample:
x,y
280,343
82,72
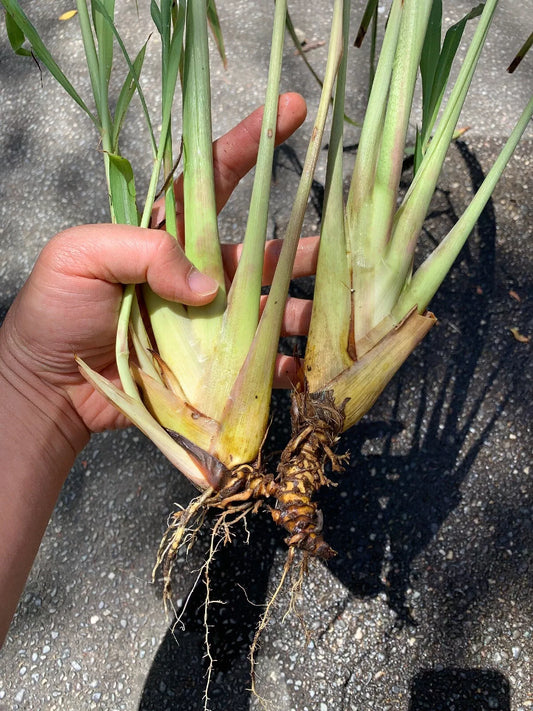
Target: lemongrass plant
x,y
198,380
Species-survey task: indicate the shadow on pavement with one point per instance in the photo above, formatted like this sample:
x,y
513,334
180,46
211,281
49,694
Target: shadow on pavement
x,y
460,690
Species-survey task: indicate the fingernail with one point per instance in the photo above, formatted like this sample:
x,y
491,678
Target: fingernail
x,y
201,283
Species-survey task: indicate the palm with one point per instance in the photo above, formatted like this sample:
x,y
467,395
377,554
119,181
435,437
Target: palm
x,y
70,305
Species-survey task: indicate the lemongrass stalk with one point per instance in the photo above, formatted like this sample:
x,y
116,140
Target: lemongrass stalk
x,y
369,307
390,162
172,26
250,397
176,342
242,312
170,61
411,214
328,344
202,245
370,140
429,276
122,349
104,36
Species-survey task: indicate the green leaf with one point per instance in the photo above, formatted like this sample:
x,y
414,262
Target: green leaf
x,y
370,12
42,54
122,189
435,65
107,17
16,37
524,49
214,24
126,94
430,53
103,13
155,12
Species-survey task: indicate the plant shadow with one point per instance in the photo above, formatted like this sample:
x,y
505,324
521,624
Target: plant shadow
x,y
460,689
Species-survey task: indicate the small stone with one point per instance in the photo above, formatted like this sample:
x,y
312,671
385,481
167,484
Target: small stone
x,y
75,665
94,619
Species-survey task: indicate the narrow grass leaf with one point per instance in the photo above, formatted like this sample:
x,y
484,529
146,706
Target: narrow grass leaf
x,y
216,29
368,15
103,12
16,37
524,49
155,13
43,55
109,20
442,69
126,95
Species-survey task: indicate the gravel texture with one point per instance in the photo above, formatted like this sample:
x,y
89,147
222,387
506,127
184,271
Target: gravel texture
x,y
429,602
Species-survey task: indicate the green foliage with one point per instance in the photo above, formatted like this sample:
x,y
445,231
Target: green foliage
x,y
24,28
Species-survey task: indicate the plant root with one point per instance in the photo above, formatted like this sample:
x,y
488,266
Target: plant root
x,y
316,425
296,584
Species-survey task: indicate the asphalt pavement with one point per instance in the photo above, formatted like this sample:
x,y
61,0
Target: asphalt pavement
x,y
429,602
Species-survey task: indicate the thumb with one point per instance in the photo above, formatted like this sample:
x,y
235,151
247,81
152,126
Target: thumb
x,y
125,254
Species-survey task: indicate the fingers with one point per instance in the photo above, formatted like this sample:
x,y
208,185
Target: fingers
x,y
296,317
235,153
304,263
286,373
124,254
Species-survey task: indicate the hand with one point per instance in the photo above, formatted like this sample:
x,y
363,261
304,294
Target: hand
x,y
71,301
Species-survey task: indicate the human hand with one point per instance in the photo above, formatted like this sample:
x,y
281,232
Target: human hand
x,y
71,301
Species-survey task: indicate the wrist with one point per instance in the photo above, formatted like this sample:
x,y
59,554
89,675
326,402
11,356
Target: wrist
x,y
43,410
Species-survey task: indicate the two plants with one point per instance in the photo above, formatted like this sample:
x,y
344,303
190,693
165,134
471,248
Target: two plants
x,y
198,380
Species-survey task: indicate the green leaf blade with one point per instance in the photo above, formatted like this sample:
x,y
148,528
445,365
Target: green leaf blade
x,y
122,190
42,53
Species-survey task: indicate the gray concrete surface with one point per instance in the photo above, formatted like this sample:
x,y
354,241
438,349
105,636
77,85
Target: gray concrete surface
x,y
429,603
